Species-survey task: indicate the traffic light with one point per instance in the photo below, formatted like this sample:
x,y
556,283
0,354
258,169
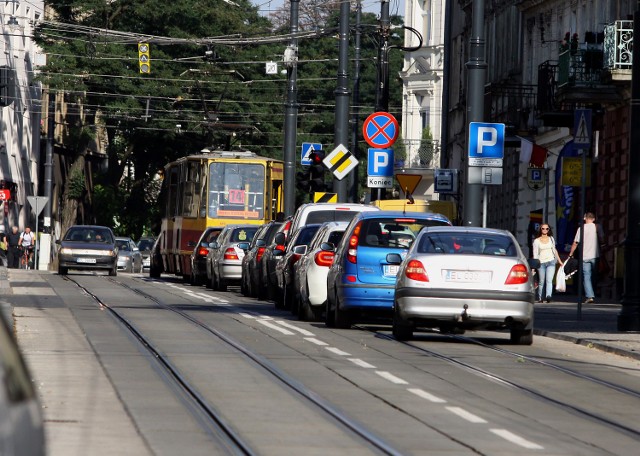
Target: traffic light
x,y
144,59
303,180
316,173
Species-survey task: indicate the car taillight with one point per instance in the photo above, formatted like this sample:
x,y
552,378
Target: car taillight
x,y
323,258
517,275
259,253
352,252
230,254
415,271
285,230
280,247
203,251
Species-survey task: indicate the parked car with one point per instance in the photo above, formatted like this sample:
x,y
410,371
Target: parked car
x,y
270,259
145,244
156,266
88,247
224,260
252,261
459,278
129,256
21,417
310,272
198,258
361,280
296,247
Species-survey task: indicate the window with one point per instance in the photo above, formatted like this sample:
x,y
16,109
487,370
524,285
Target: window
x,y
236,190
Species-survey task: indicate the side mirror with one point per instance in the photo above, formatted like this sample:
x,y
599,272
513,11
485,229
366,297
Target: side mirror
x,y
58,241
394,258
300,249
243,245
279,238
214,245
204,244
260,243
277,253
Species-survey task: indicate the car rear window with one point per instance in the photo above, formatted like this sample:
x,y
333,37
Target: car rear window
x,y
243,234
330,216
335,237
393,232
467,243
306,235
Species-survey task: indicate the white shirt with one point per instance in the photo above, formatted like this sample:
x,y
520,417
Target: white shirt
x,y
27,239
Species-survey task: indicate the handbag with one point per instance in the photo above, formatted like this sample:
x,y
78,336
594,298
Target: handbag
x,y
561,283
570,266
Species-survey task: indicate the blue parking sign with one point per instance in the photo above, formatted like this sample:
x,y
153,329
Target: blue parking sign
x,y
380,162
486,144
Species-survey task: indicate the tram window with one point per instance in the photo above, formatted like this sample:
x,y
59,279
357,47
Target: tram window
x,y
236,187
173,192
191,189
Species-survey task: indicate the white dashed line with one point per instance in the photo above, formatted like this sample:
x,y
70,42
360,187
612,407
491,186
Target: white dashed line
x,y
246,315
337,351
511,437
313,340
304,332
462,413
268,324
392,378
428,396
360,363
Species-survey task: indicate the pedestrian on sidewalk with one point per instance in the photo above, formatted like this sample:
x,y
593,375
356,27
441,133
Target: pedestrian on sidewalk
x,y
3,248
13,240
590,254
544,249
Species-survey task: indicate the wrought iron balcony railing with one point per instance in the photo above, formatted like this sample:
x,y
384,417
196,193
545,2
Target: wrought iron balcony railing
x,y
618,45
580,67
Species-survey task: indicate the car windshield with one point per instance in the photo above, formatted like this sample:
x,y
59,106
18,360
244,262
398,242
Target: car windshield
x,y
123,244
146,244
467,243
88,235
330,216
393,232
243,234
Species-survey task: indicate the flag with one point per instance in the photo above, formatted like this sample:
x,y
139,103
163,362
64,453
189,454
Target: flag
x,y
538,157
526,147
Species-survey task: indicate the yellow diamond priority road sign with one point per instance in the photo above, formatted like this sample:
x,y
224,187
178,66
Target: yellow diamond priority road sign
x,y
340,161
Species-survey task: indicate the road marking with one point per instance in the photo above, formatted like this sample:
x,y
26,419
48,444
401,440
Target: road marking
x,y
462,413
337,351
392,378
359,362
215,298
313,340
513,438
428,396
268,324
246,315
304,332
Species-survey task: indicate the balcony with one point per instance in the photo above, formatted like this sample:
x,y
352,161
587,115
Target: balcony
x,y
513,105
618,50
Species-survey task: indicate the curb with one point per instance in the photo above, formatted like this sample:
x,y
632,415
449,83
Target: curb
x,y
588,343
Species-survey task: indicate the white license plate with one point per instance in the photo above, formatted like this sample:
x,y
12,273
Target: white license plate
x,y
87,260
390,270
451,275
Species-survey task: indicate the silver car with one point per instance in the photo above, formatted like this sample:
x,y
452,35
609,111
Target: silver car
x,y
129,256
458,278
224,260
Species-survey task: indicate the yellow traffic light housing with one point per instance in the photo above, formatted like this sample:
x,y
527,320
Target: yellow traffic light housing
x,y
144,59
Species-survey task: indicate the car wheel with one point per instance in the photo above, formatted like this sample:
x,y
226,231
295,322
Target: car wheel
x,y
62,270
113,271
308,313
243,285
212,282
221,284
329,315
401,329
129,267
342,317
521,336
287,299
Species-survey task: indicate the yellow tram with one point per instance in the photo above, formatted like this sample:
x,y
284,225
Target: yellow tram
x,y
213,189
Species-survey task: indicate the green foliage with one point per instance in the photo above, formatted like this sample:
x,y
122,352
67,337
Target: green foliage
x,y
75,185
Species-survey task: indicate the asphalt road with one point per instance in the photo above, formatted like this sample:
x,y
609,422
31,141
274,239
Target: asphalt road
x,y
102,390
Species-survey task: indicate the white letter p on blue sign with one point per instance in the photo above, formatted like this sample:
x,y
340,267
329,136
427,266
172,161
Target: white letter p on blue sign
x,y
487,137
380,160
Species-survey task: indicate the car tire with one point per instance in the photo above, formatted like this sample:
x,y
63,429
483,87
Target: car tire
x,y
342,318
62,270
401,329
521,336
329,315
212,283
308,313
113,271
221,284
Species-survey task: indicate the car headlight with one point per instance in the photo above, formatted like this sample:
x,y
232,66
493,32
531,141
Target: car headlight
x,y
66,251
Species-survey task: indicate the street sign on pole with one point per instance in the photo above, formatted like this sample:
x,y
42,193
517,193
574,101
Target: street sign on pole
x,y
486,144
380,168
380,130
308,149
582,128
340,161
37,205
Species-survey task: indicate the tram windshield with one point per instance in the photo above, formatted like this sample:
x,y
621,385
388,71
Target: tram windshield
x,y
236,190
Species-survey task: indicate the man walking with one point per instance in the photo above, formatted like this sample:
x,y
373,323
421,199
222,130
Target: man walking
x,y
13,241
590,254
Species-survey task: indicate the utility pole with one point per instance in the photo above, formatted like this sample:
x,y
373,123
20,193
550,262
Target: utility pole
x,y
355,128
477,67
291,114
342,95
382,76
48,164
629,317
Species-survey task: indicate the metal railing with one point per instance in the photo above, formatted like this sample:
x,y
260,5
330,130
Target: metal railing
x,y
618,45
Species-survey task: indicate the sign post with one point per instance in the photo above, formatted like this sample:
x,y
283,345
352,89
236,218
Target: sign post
x,y
37,205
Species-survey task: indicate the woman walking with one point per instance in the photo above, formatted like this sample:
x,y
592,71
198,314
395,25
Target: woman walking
x,y
544,249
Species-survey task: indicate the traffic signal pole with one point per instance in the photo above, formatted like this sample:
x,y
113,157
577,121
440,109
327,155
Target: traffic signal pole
x,y
342,96
477,68
291,117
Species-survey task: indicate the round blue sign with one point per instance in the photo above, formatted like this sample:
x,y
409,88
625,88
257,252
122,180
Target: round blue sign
x,y
380,130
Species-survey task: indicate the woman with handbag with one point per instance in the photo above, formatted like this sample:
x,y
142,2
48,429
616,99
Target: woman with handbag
x,y
544,249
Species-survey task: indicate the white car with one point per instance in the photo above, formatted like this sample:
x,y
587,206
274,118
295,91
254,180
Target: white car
x,y
310,280
458,278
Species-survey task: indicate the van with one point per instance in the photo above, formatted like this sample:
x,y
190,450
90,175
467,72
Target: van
x,y
446,208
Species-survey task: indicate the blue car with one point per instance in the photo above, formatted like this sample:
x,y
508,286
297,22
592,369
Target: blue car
x,y
361,280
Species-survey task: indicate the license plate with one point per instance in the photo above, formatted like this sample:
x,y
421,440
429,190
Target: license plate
x,y
390,270
451,275
87,260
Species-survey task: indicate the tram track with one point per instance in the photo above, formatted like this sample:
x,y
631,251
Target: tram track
x,y
217,425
